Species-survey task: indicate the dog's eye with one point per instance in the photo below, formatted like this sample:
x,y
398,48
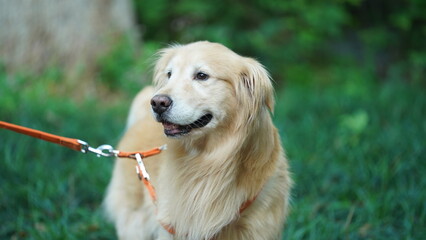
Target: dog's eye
x,y
201,76
169,74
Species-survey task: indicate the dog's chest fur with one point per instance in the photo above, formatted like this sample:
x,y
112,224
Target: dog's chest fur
x,y
197,199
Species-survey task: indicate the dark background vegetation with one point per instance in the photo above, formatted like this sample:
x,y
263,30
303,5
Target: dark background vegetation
x,y
351,106
296,37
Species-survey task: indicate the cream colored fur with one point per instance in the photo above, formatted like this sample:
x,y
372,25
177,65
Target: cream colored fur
x,y
204,177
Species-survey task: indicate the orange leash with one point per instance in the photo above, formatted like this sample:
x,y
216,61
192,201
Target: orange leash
x,y
78,145
63,141
82,146
106,151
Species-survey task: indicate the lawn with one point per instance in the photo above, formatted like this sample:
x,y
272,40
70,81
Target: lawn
x,y
357,155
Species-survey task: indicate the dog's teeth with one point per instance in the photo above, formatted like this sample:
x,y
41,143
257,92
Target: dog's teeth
x,y
170,126
171,129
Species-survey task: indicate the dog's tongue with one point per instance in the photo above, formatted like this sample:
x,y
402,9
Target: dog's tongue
x,y
171,128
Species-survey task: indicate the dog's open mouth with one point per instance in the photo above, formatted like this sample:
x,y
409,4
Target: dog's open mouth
x,y
173,130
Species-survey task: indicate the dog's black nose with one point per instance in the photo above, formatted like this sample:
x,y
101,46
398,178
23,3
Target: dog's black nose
x,y
160,103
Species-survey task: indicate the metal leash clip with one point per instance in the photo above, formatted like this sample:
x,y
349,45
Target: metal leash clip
x,y
103,150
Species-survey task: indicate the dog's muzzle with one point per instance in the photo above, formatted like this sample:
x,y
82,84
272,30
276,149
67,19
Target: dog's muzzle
x,y
161,103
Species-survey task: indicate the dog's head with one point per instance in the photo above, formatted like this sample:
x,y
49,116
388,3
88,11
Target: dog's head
x,y
205,86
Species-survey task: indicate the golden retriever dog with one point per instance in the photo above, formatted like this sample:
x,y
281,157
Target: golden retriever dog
x,y
224,175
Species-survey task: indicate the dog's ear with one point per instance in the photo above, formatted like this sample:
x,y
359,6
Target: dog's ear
x,y
163,57
258,85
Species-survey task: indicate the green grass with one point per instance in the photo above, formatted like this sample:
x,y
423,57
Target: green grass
x,y
358,160
357,154
47,191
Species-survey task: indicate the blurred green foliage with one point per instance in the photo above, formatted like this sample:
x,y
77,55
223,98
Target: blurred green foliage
x,y
299,40
356,155
357,159
351,116
46,191
126,67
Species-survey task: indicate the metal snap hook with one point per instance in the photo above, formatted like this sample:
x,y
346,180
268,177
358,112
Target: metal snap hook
x,y
103,150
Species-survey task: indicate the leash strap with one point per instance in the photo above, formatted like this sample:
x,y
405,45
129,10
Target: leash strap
x,y
144,177
106,151
63,141
78,145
